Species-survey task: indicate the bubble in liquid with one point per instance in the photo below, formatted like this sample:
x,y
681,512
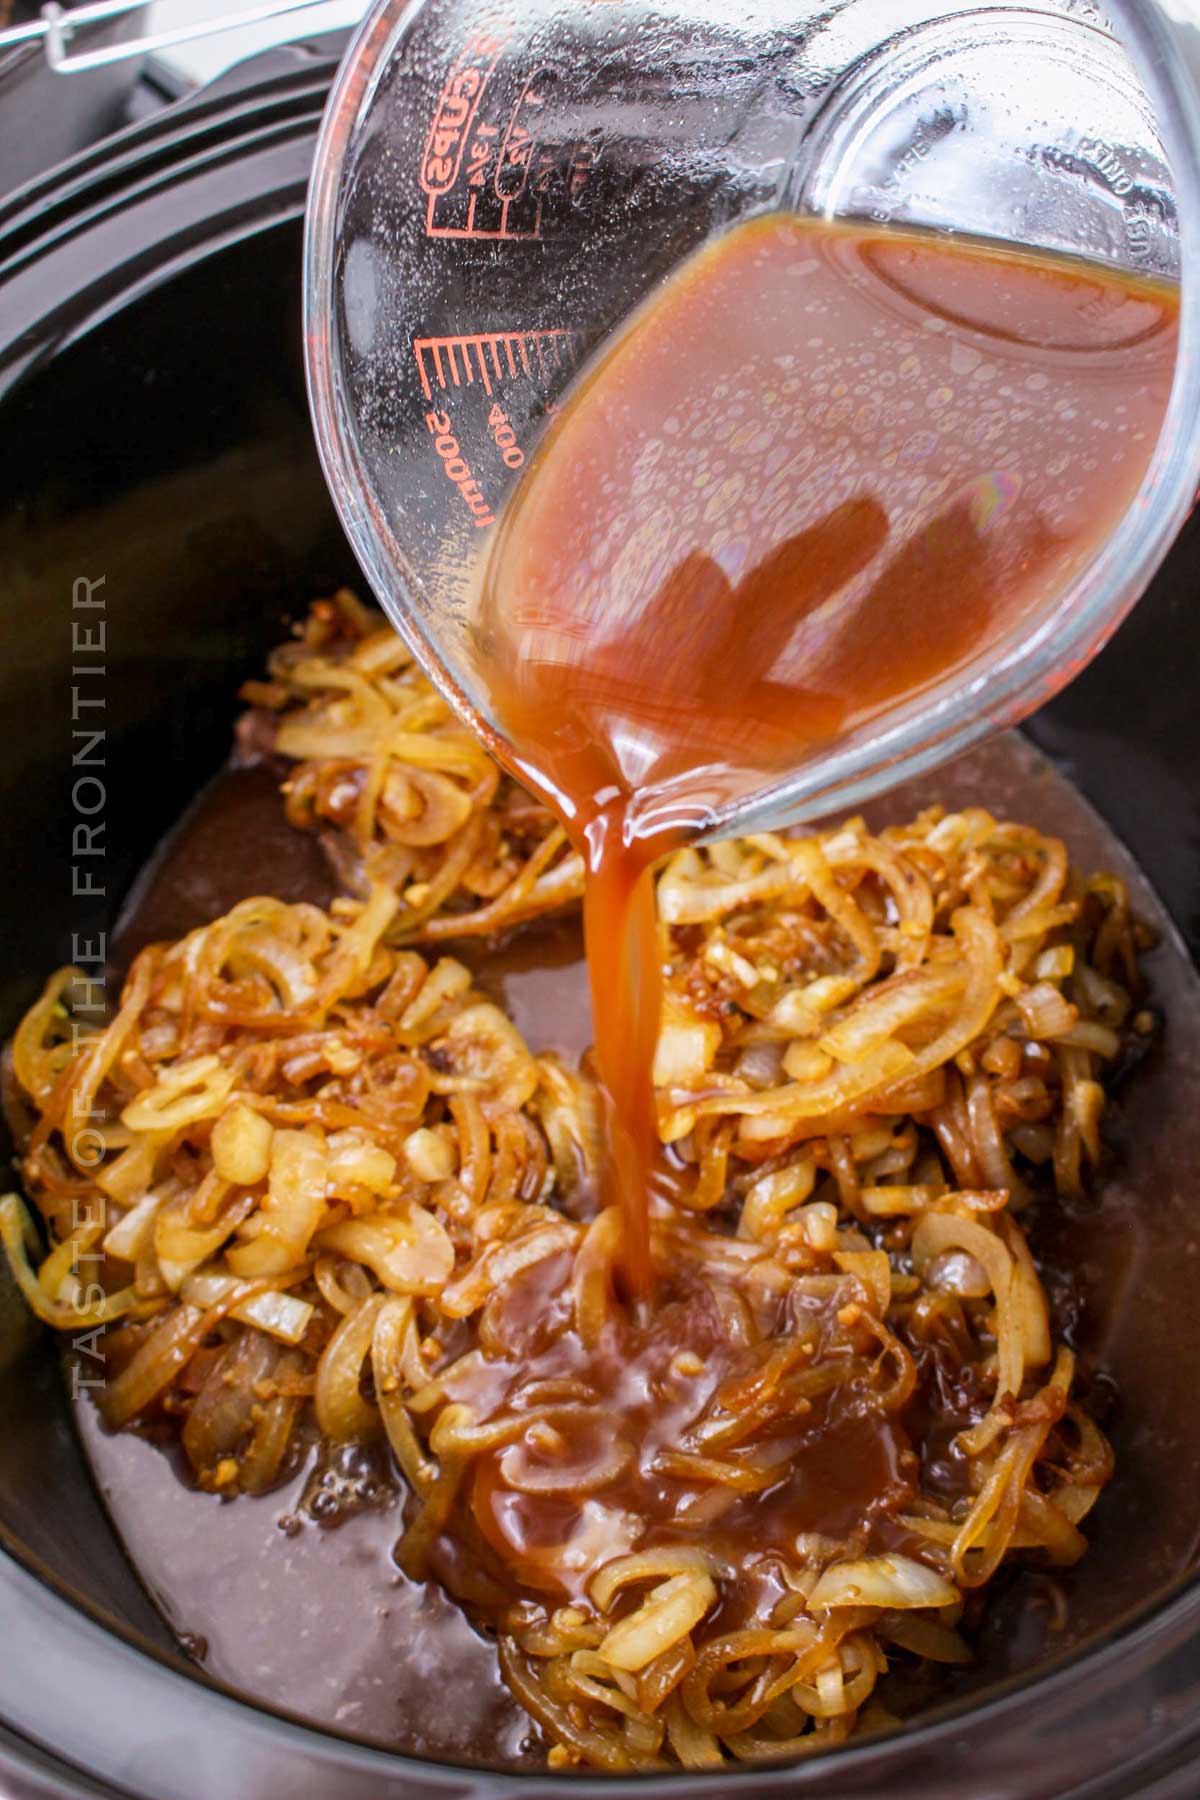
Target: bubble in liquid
x,y
918,446
649,454
725,497
992,496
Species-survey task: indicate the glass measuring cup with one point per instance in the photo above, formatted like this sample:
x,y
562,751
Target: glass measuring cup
x,y
496,190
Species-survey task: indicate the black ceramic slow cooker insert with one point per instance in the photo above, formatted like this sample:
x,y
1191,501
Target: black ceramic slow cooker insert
x,y
154,434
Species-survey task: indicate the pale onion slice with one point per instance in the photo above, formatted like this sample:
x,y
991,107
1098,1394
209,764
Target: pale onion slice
x,y
689,893
804,1061
409,1251
356,1162
820,1221
892,1581
645,1565
773,1196
1030,1310
667,1614
485,1051
957,1272
241,1145
938,1232
282,1316
1045,1012
447,980
686,1046
881,1012
429,1155
1055,964
695,1747
277,1237
1075,1499
20,1241
873,1269
395,1361
422,807
186,1092
852,1083
926,1637
126,1179
179,1248
130,1234
342,1412
801,1011
722,956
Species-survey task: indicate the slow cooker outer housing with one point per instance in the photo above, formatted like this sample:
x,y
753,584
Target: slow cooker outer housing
x,y
153,432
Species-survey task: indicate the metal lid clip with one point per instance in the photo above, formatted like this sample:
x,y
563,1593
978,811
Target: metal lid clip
x,y
56,25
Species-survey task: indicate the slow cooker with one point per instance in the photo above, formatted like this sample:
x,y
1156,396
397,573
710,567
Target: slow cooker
x,y
154,438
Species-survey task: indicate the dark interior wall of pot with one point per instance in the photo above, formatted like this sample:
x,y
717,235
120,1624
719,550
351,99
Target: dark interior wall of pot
x,y
169,453
1128,733
39,124
169,456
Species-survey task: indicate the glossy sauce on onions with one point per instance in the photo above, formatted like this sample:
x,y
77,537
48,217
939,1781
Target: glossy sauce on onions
x,y
321,1621
820,471
696,588
831,1452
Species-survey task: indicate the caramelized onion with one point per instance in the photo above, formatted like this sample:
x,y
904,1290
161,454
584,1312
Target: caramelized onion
x,y
325,1183
570,1450
222,1414
342,1412
667,1614
889,1581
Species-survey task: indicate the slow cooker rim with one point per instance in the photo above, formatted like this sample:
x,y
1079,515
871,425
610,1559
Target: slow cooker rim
x,y
237,208
1000,1712
297,72
213,147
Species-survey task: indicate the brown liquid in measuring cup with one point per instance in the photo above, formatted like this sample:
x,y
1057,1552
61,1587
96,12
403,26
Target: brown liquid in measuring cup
x,y
820,470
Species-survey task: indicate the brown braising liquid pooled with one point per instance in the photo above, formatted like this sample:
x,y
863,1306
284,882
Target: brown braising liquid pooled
x,y
277,1623
697,587
821,470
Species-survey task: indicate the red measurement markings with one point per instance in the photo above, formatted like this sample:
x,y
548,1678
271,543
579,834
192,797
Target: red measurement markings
x,y
480,154
490,177
454,114
505,437
520,140
494,357
456,468
474,221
